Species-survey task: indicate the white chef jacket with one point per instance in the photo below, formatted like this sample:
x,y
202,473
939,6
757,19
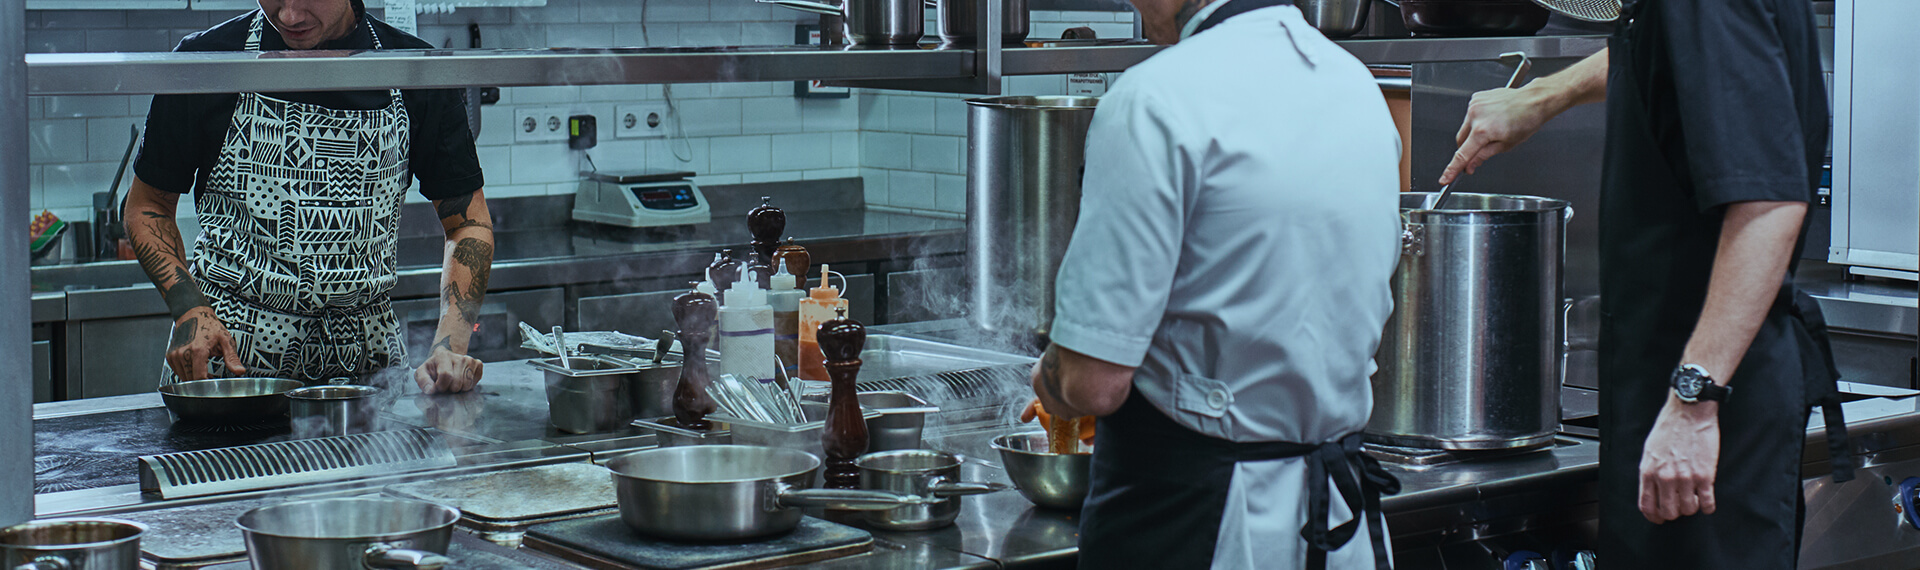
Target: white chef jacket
x,y
1238,228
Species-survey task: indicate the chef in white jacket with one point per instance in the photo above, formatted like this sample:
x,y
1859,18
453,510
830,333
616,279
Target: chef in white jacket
x,y
1224,291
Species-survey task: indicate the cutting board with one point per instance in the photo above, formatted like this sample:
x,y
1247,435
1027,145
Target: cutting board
x,y
516,498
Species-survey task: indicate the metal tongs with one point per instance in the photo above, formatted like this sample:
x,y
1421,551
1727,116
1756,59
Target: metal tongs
x,y
1520,69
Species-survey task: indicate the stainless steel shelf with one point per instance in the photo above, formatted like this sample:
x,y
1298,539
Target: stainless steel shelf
x,y
229,72
899,68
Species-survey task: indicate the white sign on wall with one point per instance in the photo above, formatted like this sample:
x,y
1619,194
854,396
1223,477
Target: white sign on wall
x,y
1087,84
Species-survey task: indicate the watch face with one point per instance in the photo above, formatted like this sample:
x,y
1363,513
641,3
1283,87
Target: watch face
x,y
1687,384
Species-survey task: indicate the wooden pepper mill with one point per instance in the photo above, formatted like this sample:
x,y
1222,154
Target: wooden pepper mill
x,y
695,312
766,223
845,436
796,257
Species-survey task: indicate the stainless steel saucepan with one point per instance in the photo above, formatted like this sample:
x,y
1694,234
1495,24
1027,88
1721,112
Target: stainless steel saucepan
x,y
919,473
71,544
349,534
727,492
333,409
870,22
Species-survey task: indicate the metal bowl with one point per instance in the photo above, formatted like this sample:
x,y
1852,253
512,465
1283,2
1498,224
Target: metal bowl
x,y
334,410
229,400
1050,480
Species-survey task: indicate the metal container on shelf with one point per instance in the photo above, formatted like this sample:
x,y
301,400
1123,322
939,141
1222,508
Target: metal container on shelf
x,y
1335,18
1471,355
870,22
1025,158
956,19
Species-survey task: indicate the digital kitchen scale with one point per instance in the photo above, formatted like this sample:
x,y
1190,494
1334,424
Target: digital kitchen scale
x,y
641,199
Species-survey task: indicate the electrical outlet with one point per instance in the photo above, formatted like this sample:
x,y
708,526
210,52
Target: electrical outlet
x,y
534,124
646,121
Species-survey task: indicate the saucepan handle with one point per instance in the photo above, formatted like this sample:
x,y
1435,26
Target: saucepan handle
x,y
805,6
46,563
945,488
847,499
386,556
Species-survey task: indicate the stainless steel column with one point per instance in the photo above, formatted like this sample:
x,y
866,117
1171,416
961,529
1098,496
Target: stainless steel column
x,y
1025,157
16,379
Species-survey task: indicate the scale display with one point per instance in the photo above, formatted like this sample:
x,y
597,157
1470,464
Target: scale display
x,y
666,198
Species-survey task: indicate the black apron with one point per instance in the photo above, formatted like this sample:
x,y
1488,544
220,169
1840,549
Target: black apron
x,y
1657,250
1159,490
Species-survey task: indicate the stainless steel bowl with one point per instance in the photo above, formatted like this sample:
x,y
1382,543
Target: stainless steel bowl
x,y
1335,18
72,544
339,409
1051,480
934,475
870,22
228,400
726,492
332,534
956,20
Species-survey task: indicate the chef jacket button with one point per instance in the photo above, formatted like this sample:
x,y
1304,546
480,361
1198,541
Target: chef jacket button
x,y
1218,399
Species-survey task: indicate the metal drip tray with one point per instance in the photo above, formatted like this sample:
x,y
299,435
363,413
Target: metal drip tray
x,y
968,399
1422,458
285,463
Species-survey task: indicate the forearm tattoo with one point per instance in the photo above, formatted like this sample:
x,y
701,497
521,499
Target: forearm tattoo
x,y
477,256
184,333
455,206
1050,375
158,247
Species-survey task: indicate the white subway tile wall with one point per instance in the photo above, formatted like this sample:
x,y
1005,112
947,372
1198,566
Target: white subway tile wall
x,y
909,148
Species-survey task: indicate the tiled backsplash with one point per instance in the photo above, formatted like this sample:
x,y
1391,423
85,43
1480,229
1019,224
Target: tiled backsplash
x,y
909,147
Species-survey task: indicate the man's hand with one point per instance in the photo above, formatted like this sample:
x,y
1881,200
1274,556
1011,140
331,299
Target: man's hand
x,y
447,372
1682,455
198,336
1497,120
1035,411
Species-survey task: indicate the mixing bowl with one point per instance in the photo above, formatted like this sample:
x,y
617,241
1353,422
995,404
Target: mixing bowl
x,y
1050,480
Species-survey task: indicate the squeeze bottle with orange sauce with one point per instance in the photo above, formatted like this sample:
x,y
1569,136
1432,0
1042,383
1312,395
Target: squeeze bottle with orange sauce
x,y
817,308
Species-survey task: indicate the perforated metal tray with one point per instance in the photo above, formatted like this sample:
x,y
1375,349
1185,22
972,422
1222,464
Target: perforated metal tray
x,y
295,462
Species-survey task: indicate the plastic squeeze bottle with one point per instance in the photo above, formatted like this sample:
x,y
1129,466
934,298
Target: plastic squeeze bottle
x,y
817,308
746,332
785,300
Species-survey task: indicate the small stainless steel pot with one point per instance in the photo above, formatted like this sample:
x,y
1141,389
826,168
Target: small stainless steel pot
x,y
349,534
1335,18
902,418
71,544
1051,480
588,395
871,22
334,409
920,473
229,401
956,18
726,492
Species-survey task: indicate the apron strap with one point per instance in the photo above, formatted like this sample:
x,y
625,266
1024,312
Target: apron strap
x,y
1820,374
1361,480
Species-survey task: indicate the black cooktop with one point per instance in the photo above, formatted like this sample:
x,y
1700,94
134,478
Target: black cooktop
x,y
102,450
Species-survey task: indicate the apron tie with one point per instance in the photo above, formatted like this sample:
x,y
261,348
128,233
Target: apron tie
x,y
1361,480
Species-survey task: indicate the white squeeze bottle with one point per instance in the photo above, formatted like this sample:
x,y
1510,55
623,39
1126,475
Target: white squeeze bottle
x,y
746,332
785,299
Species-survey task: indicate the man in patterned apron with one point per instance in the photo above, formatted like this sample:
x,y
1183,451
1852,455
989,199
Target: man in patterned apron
x,y
298,198
1709,358
1221,299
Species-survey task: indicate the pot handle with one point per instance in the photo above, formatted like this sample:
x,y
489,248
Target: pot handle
x,y
48,562
848,499
805,6
386,556
944,488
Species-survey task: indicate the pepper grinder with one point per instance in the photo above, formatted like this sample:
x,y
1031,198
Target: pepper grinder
x,y
724,269
795,256
845,436
766,223
695,313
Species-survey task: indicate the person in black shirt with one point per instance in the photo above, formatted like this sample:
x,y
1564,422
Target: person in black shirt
x,y
1709,358
298,197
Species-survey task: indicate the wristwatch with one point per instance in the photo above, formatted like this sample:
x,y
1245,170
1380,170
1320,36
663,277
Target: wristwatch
x,y
1692,384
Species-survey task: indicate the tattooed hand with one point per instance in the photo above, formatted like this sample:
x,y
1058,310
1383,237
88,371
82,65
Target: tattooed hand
x,y
446,371
197,336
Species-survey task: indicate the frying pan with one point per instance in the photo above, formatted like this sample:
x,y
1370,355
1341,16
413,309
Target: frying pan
x,y
229,401
728,492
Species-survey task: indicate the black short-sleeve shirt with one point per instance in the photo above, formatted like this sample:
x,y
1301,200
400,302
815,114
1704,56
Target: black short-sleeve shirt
x,y
184,132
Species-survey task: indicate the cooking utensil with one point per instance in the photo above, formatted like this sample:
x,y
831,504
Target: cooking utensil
x,y
726,492
919,473
1023,192
72,544
870,22
333,410
560,344
594,395
1335,18
1521,65
957,22
804,436
333,534
1471,354
229,401
1441,18
109,228
1050,480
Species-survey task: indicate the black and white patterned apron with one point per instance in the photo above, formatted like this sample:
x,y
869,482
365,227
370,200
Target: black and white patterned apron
x,y
299,221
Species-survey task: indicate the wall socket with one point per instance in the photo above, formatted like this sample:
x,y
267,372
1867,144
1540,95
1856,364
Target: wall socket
x,y
534,124
645,121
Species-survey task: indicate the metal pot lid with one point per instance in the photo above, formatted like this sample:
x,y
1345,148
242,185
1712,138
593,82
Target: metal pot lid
x,y
1602,11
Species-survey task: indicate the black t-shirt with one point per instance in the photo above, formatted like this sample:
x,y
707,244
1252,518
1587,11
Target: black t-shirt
x,y
185,132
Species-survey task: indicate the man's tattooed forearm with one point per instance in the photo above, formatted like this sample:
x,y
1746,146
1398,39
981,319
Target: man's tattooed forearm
x,y
155,215
184,295
1050,374
472,223
158,247
184,333
455,206
445,342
